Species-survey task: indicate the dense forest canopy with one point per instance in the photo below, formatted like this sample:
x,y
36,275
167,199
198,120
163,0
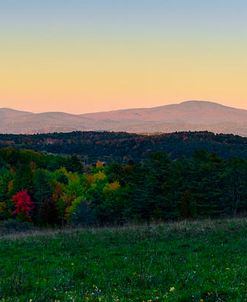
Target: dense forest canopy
x,y
57,190
122,147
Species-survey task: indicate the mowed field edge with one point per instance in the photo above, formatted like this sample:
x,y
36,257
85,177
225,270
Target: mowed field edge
x,y
186,261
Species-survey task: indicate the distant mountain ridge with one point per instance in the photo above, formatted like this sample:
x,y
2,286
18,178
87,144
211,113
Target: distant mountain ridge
x,y
186,116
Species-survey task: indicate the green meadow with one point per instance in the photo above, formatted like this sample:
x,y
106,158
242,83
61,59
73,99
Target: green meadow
x,y
187,261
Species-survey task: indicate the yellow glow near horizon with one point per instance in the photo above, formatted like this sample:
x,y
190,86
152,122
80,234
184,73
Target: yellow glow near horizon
x,y
96,75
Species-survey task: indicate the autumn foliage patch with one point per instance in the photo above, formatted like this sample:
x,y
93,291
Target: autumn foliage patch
x,y
23,205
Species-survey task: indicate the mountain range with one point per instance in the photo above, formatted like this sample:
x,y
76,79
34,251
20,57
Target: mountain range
x,y
186,116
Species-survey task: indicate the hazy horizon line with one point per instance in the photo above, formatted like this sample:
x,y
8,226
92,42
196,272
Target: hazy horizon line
x,y
121,108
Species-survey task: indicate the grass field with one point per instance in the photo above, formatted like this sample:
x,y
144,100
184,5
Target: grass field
x,y
197,261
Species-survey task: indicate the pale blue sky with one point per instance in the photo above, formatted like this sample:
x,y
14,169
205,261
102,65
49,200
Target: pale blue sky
x,y
162,40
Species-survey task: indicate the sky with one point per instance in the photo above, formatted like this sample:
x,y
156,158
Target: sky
x,y
96,55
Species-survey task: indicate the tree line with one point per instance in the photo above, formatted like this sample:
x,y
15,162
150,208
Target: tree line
x,y
54,190
121,147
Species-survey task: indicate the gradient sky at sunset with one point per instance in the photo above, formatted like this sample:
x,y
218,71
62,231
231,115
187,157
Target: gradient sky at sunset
x,y
92,55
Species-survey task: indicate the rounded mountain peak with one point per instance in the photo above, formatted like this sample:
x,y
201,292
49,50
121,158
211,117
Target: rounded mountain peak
x,y
199,103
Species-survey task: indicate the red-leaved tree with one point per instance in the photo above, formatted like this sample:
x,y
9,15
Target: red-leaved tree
x,y
23,205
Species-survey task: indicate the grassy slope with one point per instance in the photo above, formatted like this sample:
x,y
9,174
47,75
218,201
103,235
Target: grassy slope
x,y
199,261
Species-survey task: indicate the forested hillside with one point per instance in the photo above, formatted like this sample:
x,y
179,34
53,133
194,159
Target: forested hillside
x,y
56,190
122,147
